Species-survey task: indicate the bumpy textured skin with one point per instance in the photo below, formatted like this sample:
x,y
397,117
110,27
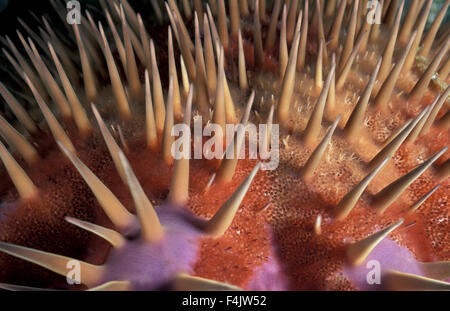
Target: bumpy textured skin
x,y
264,248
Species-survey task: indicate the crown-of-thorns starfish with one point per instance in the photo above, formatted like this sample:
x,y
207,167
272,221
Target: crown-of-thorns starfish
x,y
363,165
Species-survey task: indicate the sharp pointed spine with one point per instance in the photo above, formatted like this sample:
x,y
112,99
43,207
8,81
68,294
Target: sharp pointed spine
x,y
150,124
348,65
57,131
419,202
151,229
223,218
90,274
287,87
228,165
179,187
167,138
348,46
271,33
132,71
290,21
79,114
439,102
315,157
283,50
303,39
111,144
243,82
210,62
333,37
201,88
158,97
384,198
20,113
314,123
394,144
52,86
173,72
348,202
117,86
409,21
222,23
14,138
421,86
235,19
386,89
113,237
24,185
186,52
396,280
421,26
355,122
431,34
358,252
90,84
319,64
115,211
439,270
257,38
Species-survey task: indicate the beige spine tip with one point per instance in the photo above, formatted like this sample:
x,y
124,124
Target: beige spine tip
x,y
57,131
385,92
18,110
167,138
210,62
115,211
435,108
394,144
223,218
151,229
283,50
24,185
90,274
134,85
158,97
111,144
396,280
313,127
173,71
201,88
357,252
271,33
350,37
79,114
150,124
257,38
355,122
88,74
228,165
349,201
243,82
439,270
116,83
383,199
19,142
287,88
419,202
179,187
303,39
113,237
315,157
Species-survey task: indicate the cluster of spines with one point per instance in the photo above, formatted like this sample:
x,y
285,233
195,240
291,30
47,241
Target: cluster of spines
x,y
199,72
